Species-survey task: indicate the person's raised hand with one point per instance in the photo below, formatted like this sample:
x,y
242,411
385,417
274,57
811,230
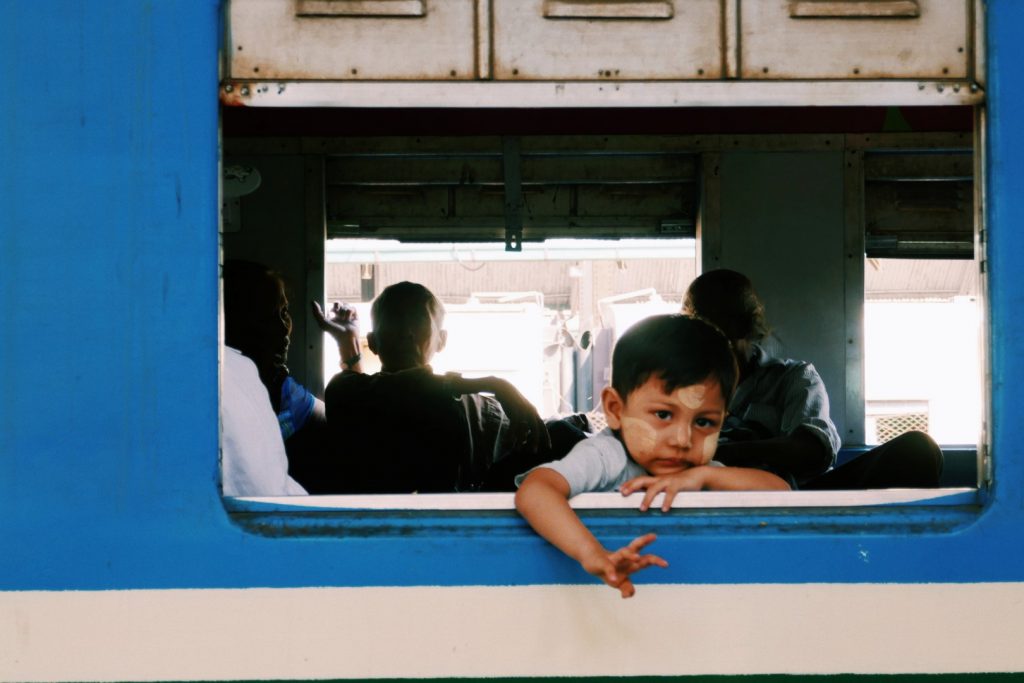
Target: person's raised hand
x,y
342,322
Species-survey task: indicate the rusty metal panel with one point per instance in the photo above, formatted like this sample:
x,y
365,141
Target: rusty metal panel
x,y
854,39
352,39
601,40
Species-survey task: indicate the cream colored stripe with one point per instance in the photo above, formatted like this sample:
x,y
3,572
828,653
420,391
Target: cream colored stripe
x,y
510,631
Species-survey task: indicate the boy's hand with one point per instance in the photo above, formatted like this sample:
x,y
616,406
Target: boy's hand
x,y
616,568
692,479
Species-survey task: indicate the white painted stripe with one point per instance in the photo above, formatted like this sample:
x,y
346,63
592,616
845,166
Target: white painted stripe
x,y
598,501
510,631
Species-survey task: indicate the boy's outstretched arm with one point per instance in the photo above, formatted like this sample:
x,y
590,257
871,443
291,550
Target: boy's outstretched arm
x,y
543,500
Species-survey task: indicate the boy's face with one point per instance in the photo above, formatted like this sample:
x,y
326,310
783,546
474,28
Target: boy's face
x,y
666,433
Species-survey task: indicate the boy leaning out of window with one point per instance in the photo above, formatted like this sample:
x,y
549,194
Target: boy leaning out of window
x,y
672,377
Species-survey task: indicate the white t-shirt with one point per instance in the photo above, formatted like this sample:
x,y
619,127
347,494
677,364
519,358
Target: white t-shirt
x,y
253,460
597,464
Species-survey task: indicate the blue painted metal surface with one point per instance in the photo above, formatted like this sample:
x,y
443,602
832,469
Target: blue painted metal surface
x,y
108,371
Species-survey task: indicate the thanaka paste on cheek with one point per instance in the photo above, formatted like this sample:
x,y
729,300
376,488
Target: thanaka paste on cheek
x,y
639,436
710,446
692,396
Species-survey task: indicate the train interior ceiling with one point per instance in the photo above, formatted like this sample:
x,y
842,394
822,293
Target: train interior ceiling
x,y
547,232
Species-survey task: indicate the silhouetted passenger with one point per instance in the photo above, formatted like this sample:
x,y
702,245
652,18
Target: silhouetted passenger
x,y
257,322
406,429
779,416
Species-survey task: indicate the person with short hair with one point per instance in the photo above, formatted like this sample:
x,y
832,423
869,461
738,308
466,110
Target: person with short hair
x,y
672,377
406,429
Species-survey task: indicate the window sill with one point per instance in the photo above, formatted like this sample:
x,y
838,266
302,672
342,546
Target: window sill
x,y
897,511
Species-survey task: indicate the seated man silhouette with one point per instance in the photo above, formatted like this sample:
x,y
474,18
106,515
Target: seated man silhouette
x,y
779,415
406,429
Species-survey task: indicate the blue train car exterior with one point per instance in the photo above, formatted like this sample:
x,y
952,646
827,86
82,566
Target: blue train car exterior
x,y
120,562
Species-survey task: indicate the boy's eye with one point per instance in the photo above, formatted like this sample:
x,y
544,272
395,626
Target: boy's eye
x,y
663,414
706,423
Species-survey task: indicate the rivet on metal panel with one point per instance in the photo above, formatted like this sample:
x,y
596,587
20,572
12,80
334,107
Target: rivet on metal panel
x,y
920,86
940,87
229,88
974,87
245,91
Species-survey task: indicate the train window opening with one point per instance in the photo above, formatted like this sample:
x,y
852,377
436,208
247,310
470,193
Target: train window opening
x,y
616,230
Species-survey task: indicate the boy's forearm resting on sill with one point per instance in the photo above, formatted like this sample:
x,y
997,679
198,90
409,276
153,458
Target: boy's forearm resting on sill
x,y
702,478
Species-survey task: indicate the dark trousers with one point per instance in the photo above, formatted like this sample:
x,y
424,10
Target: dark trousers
x,y
911,460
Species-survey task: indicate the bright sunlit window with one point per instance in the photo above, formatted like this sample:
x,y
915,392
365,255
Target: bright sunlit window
x,y
545,319
922,328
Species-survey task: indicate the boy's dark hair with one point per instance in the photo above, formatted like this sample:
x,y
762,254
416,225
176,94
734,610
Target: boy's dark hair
x,y
679,349
403,298
727,299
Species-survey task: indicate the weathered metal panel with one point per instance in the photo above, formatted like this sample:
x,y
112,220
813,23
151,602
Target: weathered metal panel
x,y
597,40
601,94
350,40
854,39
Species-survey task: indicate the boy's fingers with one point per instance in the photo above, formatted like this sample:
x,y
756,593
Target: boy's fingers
x,y
649,498
641,542
659,560
670,494
636,484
